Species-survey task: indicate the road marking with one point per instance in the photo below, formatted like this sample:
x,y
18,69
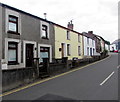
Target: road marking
x,y
47,79
107,78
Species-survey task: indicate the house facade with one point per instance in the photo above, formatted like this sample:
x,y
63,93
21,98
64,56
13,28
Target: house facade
x,y
91,44
24,37
68,43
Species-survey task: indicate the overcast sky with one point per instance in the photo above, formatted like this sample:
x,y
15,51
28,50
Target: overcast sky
x,y
99,16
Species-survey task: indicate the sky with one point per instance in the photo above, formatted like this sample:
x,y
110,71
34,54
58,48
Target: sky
x,y
99,16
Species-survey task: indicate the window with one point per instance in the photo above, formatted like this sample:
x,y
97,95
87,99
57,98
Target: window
x,y
13,24
78,38
93,42
68,35
87,40
44,32
79,51
88,51
44,53
12,52
93,51
68,49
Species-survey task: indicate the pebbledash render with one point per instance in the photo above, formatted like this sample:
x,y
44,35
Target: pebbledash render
x,y
23,37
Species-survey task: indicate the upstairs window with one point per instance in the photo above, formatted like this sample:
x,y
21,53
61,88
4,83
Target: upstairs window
x,y
44,32
13,24
93,42
87,40
78,38
12,52
68,35
88,51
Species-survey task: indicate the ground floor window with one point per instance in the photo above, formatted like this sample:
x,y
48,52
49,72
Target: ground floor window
x,y
79,51
93,51
12,52
88,51
44,53
68,49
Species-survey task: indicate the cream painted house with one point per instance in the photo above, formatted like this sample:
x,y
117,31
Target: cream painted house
x,y
68,43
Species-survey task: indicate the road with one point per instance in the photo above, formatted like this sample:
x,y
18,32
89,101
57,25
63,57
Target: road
x,y
97,81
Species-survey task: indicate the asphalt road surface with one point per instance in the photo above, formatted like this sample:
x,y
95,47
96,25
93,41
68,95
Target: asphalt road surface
x,y
98,81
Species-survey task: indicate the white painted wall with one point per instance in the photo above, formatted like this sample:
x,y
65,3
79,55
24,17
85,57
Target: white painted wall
x,y
114,46
107,47
90,45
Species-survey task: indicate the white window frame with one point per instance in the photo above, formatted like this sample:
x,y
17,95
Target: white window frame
x,y
45,45
41,26
13,13
24,50
6,48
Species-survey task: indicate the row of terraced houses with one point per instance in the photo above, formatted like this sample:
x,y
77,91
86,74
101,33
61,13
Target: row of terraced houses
x,y
24,36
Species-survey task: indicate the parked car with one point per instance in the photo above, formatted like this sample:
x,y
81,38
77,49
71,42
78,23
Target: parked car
x,y
116,51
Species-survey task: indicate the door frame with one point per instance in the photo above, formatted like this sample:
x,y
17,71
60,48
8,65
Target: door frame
x,y
64,49
31,46
24,50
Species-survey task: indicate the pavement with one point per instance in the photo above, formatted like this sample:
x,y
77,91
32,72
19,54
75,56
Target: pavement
x,y
97,81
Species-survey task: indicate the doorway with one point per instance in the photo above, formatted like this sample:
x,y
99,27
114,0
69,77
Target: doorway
x,y
90,51
29,55
63,49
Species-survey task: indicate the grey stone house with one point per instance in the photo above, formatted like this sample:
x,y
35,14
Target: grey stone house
x,y
23,37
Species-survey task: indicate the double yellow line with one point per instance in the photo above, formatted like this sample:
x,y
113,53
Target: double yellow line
x,y
47,79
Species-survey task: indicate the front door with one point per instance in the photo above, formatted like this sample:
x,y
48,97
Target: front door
x,y
29,55
90,51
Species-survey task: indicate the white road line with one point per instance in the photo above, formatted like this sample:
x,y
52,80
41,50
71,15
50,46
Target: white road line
x,y
107,78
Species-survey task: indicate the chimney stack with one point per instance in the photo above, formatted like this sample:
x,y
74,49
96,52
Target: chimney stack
x,y
90,32
45,15
70,25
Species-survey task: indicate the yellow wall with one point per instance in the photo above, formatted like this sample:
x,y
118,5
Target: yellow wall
x,y
61,37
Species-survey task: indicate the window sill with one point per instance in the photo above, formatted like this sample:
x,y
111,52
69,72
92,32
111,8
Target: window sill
x,y
68,39
45,38
69,55
13,63
12,32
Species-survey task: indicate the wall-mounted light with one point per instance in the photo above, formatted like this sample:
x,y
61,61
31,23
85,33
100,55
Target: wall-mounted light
x,y
60,49
35,48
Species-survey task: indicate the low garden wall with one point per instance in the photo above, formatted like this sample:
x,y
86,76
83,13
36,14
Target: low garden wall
x,y
13,78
